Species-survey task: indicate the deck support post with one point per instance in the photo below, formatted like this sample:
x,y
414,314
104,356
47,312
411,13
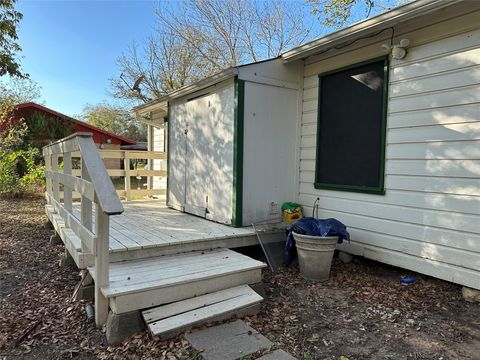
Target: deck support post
x,y
66,259
101,265
55,239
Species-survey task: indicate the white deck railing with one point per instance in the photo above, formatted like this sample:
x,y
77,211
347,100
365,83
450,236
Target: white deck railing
x,y
95,189
115,159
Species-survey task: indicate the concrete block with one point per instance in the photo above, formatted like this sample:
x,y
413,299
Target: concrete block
x,y
66,259
48,225
85,292
277,355
121,326
345,257
56,240
471,295
228,341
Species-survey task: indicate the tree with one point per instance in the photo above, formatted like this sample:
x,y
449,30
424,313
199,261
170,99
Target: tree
x,y
337,13
116,120
9,20
200,37
166,62
20,90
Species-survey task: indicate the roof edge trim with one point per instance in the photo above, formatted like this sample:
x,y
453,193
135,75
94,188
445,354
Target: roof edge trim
x,y
372,24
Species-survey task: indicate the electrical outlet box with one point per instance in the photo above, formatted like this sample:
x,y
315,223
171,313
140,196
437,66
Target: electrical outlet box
x,y
273,208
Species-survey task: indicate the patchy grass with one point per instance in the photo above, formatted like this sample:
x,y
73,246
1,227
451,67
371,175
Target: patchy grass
x,y
362,312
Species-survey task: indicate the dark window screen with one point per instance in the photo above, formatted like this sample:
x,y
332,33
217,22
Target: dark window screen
x,y
351,133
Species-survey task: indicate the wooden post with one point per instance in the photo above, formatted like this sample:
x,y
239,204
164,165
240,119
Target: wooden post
x,y
67,192
56,184
86,208
150,161
126,165
101,265
48,180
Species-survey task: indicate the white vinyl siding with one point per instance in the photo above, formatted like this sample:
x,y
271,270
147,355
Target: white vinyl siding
x,y
429,218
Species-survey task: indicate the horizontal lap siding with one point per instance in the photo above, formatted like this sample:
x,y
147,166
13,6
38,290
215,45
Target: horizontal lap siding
x,y
429,218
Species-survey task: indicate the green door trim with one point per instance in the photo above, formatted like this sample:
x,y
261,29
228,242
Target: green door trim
x,y
238,120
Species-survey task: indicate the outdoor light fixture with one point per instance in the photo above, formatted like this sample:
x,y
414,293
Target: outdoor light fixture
x,y
398,51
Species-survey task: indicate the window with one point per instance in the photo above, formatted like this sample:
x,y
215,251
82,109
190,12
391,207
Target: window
x,y
351,128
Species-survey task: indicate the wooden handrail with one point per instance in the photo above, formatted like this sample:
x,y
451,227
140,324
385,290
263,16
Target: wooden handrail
x,y
105,193
95,187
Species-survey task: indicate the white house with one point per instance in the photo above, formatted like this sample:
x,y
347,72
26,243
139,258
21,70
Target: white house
x,y
380,121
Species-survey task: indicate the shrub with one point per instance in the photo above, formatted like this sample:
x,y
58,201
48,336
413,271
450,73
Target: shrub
x,y
19,172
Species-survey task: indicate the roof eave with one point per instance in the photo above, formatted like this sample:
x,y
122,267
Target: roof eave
x,y
185,90
370,25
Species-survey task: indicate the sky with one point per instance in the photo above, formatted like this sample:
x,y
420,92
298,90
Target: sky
x,y
70,47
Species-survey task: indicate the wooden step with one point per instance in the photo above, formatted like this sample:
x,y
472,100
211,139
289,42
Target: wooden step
x,y
169,320
144,283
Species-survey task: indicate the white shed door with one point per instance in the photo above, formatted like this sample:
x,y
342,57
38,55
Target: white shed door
x,y
197,169
201,156
177,148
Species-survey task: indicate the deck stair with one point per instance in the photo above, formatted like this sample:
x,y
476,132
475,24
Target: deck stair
x,y
182,281
169,320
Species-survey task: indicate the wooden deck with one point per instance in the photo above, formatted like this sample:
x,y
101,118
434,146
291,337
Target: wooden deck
x,y
141,254
150,228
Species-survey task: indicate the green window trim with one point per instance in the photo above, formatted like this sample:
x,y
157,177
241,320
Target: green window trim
x,y
380,190
238,118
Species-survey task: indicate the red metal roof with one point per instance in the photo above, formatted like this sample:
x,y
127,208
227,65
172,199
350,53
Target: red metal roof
x,y
84,126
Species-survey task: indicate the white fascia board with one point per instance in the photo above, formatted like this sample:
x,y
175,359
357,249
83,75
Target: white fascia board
x,y
368,26
188,89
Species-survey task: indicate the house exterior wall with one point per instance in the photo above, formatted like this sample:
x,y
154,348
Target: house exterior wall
x,y
429,218
268,151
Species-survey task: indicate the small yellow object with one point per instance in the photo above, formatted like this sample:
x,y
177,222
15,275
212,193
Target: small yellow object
x,y
343,358
290,216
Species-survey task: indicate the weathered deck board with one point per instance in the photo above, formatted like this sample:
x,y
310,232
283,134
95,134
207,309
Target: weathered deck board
x,y
145,274
167,318
149,228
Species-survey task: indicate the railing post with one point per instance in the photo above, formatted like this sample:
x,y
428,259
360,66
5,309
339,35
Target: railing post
x,y
126,165
85,207
101,265
48,180
56,184
150,162
67,192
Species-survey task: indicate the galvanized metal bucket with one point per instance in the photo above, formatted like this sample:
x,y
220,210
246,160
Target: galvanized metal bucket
x,y
315,254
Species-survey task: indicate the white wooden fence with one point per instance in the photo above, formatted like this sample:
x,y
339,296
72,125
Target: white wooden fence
x,y
96,190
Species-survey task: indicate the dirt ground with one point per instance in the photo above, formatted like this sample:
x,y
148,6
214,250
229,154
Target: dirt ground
x,y
362,312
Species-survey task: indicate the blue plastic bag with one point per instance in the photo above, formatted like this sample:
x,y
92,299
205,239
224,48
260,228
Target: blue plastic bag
x,y
313,227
